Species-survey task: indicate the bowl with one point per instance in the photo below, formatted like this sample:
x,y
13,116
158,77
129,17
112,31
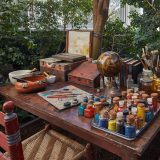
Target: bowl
x,y
31,84
19,74
51,79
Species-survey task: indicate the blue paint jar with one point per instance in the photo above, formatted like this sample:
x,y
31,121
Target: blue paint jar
x,y
96,99
130,131
101,97
96,118
149,116
81,110
103,122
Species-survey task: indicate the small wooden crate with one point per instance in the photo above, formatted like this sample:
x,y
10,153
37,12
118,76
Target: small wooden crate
x,y
58,67
86,74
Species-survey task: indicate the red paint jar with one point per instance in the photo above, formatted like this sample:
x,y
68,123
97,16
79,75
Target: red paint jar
x,y
154,97
89,111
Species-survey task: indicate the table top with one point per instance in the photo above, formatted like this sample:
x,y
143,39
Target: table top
x,y
80,126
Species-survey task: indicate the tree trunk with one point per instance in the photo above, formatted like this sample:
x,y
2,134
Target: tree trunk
x,y
100,16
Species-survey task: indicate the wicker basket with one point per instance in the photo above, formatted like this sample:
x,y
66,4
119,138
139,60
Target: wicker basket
x,y
51,145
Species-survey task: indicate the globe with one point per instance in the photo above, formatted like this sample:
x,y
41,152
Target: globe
x,y
109,64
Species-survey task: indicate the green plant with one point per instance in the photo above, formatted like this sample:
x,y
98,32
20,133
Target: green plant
x,y
146,25
117,37
29,29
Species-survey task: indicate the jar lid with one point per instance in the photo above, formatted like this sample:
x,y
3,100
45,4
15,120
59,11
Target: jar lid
x,y
142,92
97,103
124,93
116,99
134,97
136,94
149,100
141,105
145,95
119,115
134,110
121,103
155,95
84,103
130,90
89,106
130,119
103,100
146,80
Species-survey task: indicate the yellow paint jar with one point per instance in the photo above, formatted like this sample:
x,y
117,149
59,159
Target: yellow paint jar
x,y
112,125
141,111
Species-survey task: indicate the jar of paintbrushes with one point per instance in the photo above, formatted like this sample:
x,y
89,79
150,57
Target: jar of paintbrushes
x,y
146,81
150,80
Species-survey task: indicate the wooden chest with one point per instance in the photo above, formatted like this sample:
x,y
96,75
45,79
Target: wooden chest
x,y
58,67
86,74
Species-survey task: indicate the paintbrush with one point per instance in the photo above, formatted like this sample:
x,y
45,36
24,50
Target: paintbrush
x,y
143,63
62,96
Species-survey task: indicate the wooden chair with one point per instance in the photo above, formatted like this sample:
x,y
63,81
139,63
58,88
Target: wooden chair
x,y
44,145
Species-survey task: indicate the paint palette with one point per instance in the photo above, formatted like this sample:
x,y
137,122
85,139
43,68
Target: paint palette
x,y
65,97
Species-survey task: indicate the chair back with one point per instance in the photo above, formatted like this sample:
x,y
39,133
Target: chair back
x,y
10,141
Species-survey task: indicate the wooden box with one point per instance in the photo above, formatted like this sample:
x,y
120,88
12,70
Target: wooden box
x,y
86,74
58,67
78,47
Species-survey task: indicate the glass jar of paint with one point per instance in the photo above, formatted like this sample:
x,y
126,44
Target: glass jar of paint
x,y
112,125
149,115
141,111
154,97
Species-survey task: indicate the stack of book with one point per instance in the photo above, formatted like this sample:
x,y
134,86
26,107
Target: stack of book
x,y
132,67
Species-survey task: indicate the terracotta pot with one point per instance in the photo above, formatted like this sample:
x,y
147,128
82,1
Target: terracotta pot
x,y
32,84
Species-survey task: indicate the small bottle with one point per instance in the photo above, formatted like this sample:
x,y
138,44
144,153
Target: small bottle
x,y
120,126
89,111
81,109
149,115
150,105
98,106
96,118
116,103
130,129
130,82
125,113
102,122
155,101
124,95
112,125
140,94
121,106
141,112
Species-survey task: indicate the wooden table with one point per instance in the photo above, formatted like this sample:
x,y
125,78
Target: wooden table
x,y
80,126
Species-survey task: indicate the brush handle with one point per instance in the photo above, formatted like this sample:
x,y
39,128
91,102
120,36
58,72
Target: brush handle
x,y
19,79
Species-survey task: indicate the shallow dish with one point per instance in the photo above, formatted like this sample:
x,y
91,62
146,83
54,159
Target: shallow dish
x,y
31,84
19,74
51,79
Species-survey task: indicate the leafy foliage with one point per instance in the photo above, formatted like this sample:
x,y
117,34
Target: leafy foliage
x,y
117,37
29,29
146,25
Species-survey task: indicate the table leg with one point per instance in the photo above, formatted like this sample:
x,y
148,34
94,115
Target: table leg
x,y
89,152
